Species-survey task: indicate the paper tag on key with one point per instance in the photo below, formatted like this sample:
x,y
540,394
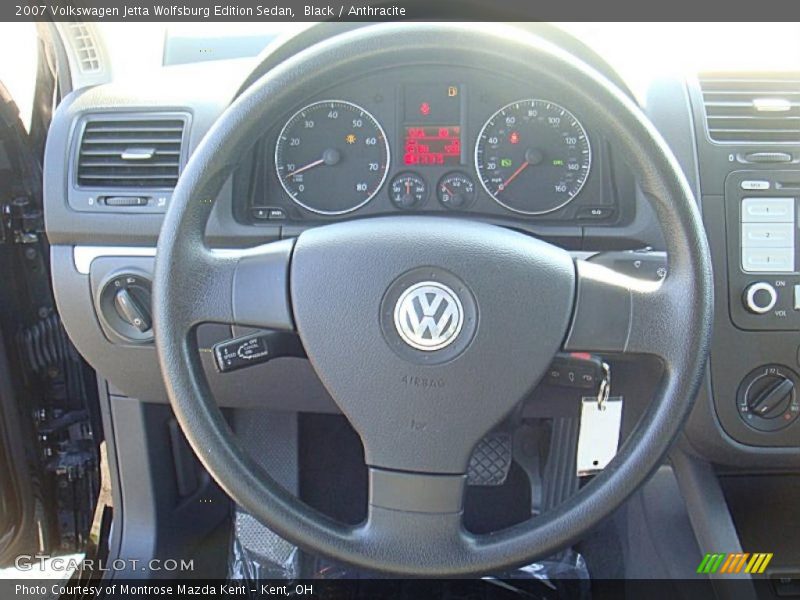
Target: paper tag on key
x,y
598,438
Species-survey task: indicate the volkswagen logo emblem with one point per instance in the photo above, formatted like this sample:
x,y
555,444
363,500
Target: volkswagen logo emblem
x,y
428,316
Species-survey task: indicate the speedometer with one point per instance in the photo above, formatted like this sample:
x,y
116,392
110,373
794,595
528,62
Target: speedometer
x,y
533,156
332,157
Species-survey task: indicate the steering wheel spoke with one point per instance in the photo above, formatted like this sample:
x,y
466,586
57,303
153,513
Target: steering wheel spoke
x,y
415,512
618,313
247,287
432,493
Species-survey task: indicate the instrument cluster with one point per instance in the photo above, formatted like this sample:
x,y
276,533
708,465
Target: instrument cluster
x,y
424,140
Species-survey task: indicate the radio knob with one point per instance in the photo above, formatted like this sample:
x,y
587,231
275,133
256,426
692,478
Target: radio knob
x,y
760,298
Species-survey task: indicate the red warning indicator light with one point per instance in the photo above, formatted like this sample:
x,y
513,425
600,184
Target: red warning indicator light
x,y
514,137
425,109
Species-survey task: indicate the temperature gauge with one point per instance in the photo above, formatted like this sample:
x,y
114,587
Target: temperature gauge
x,y
456,190
408,190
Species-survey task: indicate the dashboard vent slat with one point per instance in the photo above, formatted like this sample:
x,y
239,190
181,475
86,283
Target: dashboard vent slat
x,y
754,109
135,152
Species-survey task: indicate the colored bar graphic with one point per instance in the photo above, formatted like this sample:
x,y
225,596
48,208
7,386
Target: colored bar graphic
x,y
755,564
710,563
758,563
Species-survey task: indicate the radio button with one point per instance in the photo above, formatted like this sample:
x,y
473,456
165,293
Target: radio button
x,y
768,210
768,235
767,260
754,185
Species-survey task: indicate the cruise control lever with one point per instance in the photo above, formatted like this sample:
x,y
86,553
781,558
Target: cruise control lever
x,y
255,349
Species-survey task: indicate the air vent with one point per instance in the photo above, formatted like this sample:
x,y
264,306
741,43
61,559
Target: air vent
x,y
757,109
131,152
85,48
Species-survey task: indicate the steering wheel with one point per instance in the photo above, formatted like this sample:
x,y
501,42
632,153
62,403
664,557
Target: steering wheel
x,y
513,301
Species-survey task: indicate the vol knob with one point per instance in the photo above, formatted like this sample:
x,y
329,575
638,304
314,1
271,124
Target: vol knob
x,y
760,298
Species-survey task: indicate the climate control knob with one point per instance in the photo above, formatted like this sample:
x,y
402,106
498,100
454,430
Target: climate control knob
x,y
769,396
767,399
760,297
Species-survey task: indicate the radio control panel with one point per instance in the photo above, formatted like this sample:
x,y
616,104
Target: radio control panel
x,y
763,264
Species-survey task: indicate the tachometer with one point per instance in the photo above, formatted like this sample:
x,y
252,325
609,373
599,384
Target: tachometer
x,y
533,156
332,157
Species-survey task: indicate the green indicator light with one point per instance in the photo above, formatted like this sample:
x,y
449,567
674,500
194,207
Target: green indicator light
x,y
506,162
558,163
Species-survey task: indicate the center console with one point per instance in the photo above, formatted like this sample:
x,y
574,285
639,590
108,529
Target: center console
x,y
749,162
761,214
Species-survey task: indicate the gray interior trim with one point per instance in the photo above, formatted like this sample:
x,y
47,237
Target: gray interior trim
x,y
83,256
710,518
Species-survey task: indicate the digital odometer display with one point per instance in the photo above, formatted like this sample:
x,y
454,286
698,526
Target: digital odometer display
x,y
432,145
432,125
533,156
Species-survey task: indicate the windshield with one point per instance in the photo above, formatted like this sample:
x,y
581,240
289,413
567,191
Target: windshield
x,y
635,50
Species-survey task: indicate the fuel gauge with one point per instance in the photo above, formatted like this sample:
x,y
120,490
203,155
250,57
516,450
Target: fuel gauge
x,y
456,191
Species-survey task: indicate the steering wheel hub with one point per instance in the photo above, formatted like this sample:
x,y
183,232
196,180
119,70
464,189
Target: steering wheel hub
x,y
505,298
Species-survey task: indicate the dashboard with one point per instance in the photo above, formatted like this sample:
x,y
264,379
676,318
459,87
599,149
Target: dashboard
x,y
434,140
440,139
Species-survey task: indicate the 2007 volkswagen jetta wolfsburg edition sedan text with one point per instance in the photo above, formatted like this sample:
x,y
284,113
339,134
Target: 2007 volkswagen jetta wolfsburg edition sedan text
x,y
337,301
